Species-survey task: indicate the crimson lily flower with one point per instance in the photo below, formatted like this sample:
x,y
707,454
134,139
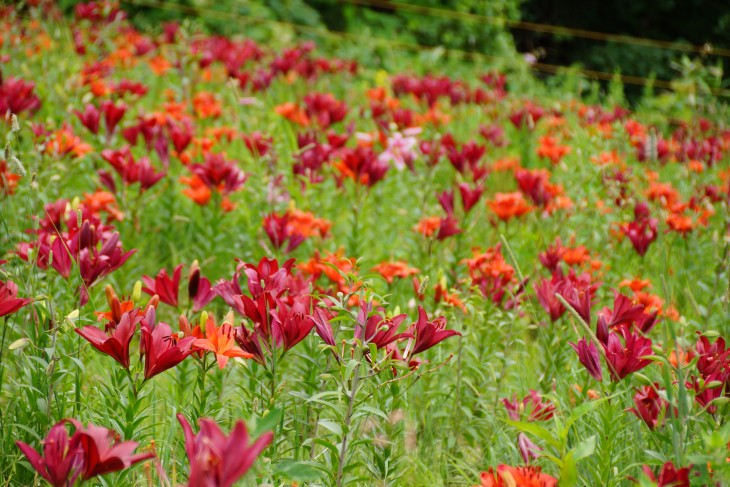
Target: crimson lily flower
x,y
290,324
217,460
269,276
9,300
220,341
323,327
131,171
89,118
626,352
649,405
115,345
165,287
532,404
218,174
713,357
200,291
103,453
625,314
527,448
279,231
669,476
429,333
89,452
161,352
470,197
375,328
113,114
62,460
589,357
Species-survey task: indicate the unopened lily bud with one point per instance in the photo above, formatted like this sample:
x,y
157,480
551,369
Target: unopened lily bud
x,y
193,279
79,217
154,301
137,291
203,319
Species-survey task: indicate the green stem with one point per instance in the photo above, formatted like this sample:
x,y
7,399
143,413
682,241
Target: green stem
x,y
348,422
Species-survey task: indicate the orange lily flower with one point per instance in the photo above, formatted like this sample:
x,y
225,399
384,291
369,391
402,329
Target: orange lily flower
x,y
221,342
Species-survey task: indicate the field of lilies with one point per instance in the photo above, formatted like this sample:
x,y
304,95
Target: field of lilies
x,y
232,262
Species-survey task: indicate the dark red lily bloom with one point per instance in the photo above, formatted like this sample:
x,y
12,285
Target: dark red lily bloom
x,y
448,227
113,114
164,286
131,171
62,460
669,476
104,453
713,357
626,314
589,357
16,96
290,324
641,234
268,276
709,388
181,135
116,344
89,118
362,165
94,264
218,174
250,342
429,333
533,405
217,460
162,351
200,292
89,452
470,196
323,327
649,405
257,143
9,300
324,108
546,291
553,256
374,327
626,352
279,230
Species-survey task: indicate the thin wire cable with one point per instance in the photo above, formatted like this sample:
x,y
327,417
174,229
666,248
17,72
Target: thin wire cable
x,y
542,67
543,28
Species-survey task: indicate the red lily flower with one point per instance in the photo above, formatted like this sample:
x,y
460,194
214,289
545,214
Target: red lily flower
x,y
532,404
9,300
218,174
16,96
89,118
669,476
429,333
589,357
200,291
323,327
470,197
104,453
290,324
89,452
376,328
279,230
217,460
161,351
713,358
62,460
626,352
131,171
116,344
113,114
163,286
649,405
527,448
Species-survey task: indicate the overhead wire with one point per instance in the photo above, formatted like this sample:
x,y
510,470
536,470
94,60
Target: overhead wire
x,y
537,66
706,49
